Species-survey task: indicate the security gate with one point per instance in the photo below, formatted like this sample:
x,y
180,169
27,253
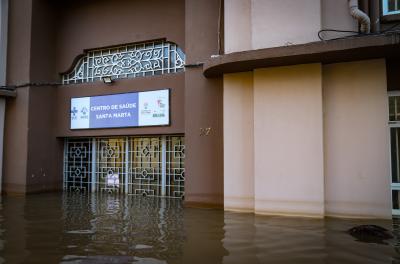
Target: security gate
x,y
149,166
394,126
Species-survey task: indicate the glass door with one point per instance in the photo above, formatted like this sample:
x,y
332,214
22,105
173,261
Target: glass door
x,y
394,125
148,166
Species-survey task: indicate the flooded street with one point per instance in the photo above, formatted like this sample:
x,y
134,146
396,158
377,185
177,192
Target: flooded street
x,y
66,228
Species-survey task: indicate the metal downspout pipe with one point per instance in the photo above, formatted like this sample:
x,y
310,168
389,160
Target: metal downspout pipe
x,y
360,16
374,13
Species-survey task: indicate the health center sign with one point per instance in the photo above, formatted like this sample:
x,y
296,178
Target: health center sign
x,y
121,110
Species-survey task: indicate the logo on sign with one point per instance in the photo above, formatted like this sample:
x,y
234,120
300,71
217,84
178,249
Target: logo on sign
x,y
160,112
74,113
160,103
84,113
146,109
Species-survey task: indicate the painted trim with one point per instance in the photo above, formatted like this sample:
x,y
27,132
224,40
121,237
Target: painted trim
x,y
332,51
393,186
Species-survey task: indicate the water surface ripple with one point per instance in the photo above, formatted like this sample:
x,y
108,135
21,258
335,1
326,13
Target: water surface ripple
x,y
66,228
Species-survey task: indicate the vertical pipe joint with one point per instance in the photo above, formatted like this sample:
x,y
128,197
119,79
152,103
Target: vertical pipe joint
x,y
360,16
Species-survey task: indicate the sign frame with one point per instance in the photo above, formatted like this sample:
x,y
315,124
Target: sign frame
x,y
121,93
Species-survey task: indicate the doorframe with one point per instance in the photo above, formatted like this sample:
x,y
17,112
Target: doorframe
x,y
392,124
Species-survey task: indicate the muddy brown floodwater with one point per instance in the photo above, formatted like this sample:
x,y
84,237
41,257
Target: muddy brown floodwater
x,y
66,228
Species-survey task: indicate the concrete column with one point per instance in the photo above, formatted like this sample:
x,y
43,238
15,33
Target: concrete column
x,y
288,142
356,139
3,65
203,107
238,142
16,121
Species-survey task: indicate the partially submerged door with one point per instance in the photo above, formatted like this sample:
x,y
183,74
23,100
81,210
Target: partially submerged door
x,y
394,126
148,166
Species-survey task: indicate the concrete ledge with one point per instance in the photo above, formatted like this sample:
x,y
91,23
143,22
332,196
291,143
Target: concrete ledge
x,y
333,51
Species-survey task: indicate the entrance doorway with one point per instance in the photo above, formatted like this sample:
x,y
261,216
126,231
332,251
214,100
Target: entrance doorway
x,y
148,166
394,126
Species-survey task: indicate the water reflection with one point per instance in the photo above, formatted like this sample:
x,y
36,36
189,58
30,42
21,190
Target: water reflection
x,y
64,228
300,240
145,228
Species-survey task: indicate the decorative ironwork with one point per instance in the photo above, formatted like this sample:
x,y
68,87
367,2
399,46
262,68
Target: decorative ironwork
x,y
143,173
77,165
76,189
149,166
109,152
175,167
179,151
78,172
149,149
77,152
146,163
179,174
110,163
129,61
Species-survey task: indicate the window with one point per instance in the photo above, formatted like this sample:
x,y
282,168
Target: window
x,y
128,61
390,7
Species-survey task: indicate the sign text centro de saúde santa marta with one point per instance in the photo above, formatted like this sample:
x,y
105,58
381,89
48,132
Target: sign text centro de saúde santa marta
x,y
121,110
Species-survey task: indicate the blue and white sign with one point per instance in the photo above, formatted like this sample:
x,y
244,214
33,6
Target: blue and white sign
x,y
121,110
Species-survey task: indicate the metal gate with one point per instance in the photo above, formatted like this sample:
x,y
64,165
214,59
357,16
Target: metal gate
x,y
149,166
394,126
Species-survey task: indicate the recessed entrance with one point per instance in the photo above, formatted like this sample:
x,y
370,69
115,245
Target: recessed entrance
x,y
148,166
394,125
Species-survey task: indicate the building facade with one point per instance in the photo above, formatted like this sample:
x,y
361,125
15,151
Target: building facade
x,y
306,119
272,107
47,42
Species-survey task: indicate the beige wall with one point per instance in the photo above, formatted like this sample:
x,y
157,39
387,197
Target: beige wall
x,y
257,24
308,140
284,22
288,140
238,142
356,139
336,15
237,31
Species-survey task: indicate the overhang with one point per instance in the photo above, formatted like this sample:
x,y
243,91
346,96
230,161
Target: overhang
x,y
332,51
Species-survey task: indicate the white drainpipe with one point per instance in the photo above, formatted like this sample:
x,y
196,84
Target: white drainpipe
x,y
360,16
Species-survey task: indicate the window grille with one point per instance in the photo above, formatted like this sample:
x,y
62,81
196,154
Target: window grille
x,y
128,61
